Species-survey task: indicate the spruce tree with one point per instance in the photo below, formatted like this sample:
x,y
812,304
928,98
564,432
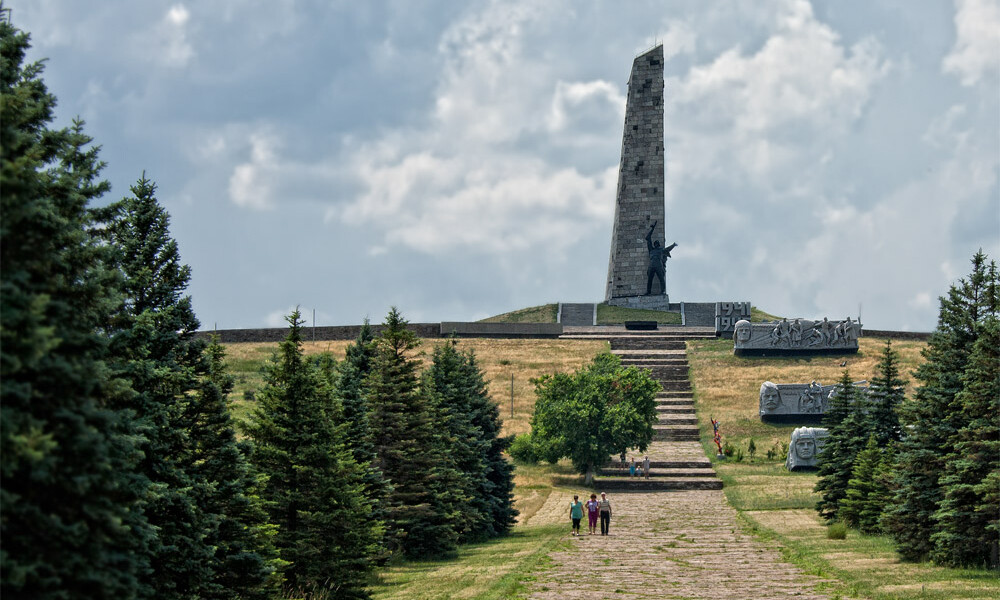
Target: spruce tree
x,y
154,346
860,488
422,512
347,378
874,508
448,386
885,395
245,563
848,425
72,526
931,417
967,529
314,491
473,422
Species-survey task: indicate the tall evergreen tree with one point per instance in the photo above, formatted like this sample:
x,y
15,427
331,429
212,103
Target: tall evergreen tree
x,y
473,423
314,490
422,512
245,563
885,394
931,417
967,531
848,425
860,488
71,522
347,378
154,346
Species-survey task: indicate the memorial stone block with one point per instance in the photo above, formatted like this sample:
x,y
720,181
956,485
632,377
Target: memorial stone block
x,y
805,446
793,402
796,337
727,314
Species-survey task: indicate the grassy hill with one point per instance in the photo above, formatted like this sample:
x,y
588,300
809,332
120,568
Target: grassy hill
x,y
773,503
606,315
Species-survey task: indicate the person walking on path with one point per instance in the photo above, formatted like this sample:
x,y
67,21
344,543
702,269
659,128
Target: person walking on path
x,y
576,513
645,466
605,506
593,508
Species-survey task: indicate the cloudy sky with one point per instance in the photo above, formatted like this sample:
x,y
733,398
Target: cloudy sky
x,y
459,159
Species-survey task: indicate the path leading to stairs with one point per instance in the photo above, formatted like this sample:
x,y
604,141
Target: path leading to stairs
x,y
673,535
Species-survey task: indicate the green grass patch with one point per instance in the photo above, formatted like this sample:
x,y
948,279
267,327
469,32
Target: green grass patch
x,y
546,313
499,569
864,566
778,505
617,315
759,316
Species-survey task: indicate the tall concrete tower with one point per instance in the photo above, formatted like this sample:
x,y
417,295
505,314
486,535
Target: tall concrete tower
x,y
639,200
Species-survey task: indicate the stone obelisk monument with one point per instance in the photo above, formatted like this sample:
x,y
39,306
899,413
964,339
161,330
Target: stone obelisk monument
x,y
639,208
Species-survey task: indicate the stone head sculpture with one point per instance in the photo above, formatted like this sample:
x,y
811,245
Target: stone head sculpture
x,y
742,331
770,399
805,446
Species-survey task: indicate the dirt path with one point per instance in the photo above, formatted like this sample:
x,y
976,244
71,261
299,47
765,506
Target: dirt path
x,y
675,544
680,543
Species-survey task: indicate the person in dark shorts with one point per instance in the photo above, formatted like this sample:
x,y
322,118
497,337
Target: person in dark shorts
x,y
576,513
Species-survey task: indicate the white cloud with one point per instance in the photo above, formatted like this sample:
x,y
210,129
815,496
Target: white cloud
x,y
174,49
976,52
775,111
679,38
250,183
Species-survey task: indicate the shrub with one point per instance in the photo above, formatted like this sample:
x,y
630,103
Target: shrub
x,y
836,531
728,449
523,449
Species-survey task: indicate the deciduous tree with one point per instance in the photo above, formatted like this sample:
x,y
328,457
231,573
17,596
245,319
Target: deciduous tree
x,y
600,410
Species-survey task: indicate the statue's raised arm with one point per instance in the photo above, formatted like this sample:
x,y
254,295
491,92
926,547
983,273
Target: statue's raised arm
x,y
649,236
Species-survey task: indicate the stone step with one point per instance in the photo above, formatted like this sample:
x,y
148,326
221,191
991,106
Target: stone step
x,y
646,344
676,435
675,410
673,394
621,484
682,385
664,473
576,314
669,419
677,403
651,354
703,463
667,373
655,362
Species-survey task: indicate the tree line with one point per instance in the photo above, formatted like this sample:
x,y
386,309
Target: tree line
x,y
925,470
124,474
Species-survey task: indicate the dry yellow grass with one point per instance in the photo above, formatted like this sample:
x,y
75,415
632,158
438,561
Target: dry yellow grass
x,y
727,387
499,359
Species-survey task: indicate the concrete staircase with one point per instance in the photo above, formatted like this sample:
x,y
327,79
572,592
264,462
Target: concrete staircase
x,y
677,460
583,314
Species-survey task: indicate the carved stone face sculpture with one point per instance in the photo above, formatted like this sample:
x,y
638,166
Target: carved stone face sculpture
x,y
742,331
805,447
770,399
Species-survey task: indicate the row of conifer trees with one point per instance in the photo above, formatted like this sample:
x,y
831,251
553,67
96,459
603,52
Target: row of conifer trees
x,y
926,470
124,474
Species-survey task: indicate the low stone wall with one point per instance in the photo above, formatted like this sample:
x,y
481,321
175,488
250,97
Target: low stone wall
x,y
501,330
896,335
340,332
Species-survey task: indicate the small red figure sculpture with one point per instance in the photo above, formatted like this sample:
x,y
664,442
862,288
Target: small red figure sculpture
x,y
717,437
